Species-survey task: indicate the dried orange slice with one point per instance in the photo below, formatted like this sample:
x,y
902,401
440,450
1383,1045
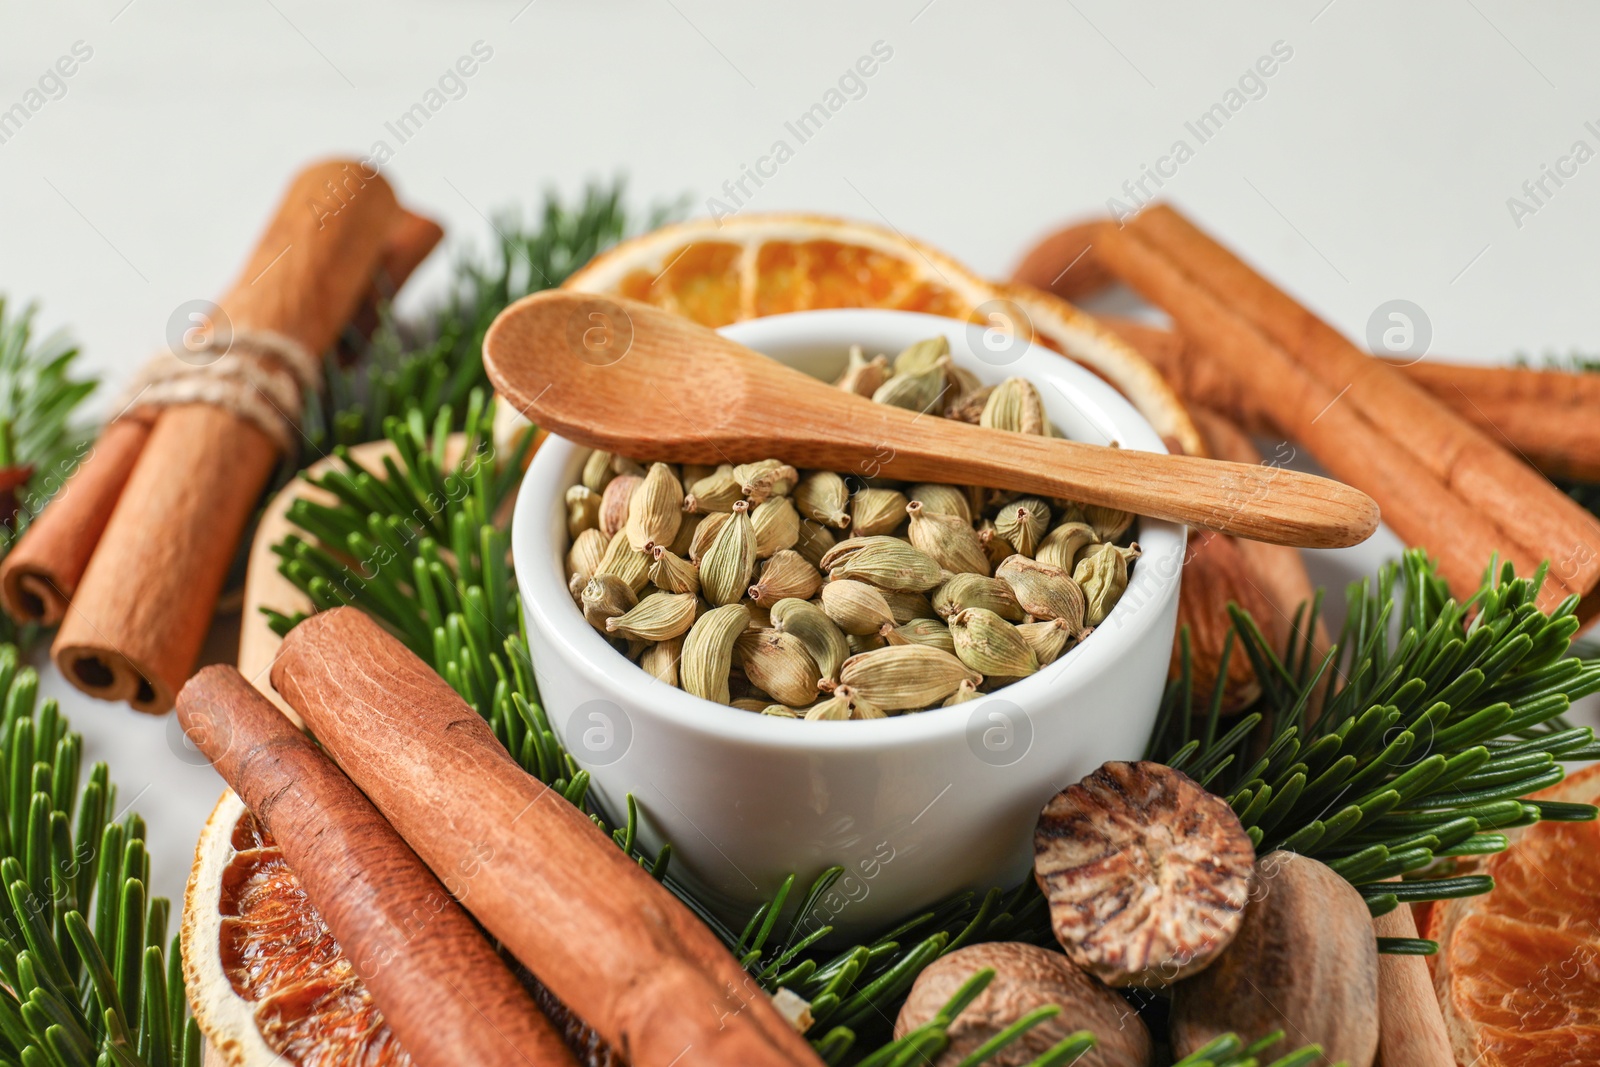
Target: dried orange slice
x,y
266,979
1518,969
747,266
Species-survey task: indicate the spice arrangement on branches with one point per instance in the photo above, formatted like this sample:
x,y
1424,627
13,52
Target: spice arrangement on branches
x,y
1374,771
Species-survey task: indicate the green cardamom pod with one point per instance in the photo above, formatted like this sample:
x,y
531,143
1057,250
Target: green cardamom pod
x,y
876,511
655,509
855,607
715,492
1061,546
730,559
862,376
1023,522
786,575
943,500
821,635
995,547
1015,405
708,652
1109,523
777,525
949,542
964,692
860,643
626,562
705,531
923,356
583,510
968,590
599,468
587,550
755,704
778,663
672,573
1048,639
904,677
1103,573
660,660
990,645
919,632
823,497
886,562
919,391
813,541
906,605
860,706
780,711
615,502
765,478
968,405
1045,592
835,708
656,618
605,596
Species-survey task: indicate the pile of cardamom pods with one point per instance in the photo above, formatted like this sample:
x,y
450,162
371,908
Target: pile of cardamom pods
x,y
822,595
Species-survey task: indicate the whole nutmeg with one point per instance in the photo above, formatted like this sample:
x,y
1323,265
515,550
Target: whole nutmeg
x,y
1147,874
1026,977
1305,961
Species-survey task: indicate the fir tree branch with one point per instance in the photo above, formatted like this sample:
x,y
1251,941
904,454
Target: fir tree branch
x,y
1439,720
87,981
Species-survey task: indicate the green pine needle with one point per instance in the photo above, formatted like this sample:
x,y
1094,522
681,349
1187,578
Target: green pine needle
x,y
88,977
39,399
1437,720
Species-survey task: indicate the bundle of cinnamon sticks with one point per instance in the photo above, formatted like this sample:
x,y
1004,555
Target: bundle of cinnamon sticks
x,y
1428,441
131,555
606,939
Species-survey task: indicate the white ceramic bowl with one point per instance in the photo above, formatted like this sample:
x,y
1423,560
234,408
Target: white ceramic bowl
x,y
914,807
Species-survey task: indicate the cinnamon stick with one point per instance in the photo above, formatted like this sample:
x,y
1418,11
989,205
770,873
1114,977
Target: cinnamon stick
x,y
1411,1028
607,939
442,988
1066,263
146,598
1544,416
1277,572
1521,505
41,573
411,239
1348,440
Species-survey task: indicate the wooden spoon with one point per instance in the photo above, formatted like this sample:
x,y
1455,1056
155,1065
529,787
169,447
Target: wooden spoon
x,y
626,377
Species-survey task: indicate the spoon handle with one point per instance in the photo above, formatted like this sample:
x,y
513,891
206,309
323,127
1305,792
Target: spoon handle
x,y
1262,503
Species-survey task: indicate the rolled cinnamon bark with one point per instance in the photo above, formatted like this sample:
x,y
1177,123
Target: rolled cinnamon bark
x,y
1546,417
1343,436
41,574
1518,502
1411,1028
607,939
442,988
146,599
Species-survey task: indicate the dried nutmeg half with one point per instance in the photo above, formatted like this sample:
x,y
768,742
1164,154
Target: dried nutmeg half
x,y
1026,978
1147,874
1304,962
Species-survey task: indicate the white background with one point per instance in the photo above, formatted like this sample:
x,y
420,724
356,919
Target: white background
x,y
1377,165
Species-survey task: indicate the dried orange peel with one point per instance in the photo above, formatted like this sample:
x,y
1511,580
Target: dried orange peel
x,y
749,266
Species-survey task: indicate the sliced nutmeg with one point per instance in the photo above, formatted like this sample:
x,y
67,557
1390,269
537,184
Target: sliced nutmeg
x,y
1026,978
1146,873
1305,961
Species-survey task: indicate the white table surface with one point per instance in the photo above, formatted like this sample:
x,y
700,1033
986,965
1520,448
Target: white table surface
x,y
1376,163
